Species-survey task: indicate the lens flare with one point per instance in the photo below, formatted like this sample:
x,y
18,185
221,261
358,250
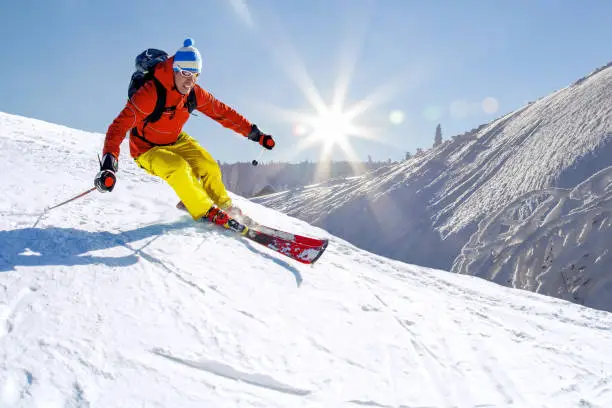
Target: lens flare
x,y
299,129
490,105
459,109
397,117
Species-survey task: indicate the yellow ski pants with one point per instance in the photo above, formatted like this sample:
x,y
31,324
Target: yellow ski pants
x,y
191,171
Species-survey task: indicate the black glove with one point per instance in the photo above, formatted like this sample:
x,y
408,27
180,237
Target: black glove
x,y
105,180
256,135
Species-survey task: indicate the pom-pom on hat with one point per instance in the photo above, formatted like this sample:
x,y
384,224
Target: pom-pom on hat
x,y
188,58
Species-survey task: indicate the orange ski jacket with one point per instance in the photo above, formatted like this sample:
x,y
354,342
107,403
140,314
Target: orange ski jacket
x,y
167,129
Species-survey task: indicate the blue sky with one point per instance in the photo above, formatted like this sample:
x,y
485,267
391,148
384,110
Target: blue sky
x,y
429,62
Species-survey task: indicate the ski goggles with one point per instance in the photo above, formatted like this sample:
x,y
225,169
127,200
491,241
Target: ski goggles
x,y
186,74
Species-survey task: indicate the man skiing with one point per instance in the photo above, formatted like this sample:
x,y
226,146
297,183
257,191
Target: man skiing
x,y
161,147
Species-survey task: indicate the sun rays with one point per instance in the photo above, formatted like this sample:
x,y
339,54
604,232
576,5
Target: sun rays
x,y
333,125
329,127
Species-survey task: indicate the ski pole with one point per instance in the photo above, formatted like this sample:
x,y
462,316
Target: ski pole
x,y
255,162
72,199
47,209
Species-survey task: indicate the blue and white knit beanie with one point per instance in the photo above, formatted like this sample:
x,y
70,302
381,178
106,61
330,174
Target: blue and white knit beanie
x,y
188,57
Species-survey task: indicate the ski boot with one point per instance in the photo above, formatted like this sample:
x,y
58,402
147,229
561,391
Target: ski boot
x,y
219,217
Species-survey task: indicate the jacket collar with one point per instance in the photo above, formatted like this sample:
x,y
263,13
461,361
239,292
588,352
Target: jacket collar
x,y
164,73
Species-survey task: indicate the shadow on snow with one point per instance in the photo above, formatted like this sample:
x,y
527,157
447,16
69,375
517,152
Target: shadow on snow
x,y
70,246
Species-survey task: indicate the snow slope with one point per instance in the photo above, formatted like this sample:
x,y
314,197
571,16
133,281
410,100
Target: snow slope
x,y
425,210
556,242
118,300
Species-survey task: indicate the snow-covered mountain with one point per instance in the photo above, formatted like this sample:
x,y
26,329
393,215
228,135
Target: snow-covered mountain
x,y
119,300
552,241
474,203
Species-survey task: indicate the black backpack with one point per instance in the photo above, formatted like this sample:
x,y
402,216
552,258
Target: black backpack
x,y
145,63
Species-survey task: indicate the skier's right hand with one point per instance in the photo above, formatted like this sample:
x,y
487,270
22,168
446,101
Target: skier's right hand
x,y
105,179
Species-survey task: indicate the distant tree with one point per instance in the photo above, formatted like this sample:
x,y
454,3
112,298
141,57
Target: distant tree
x,y
438,137
419,151
408,156
369,159
266,190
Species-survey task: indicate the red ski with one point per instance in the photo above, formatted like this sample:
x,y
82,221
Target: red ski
x,y
288,236
301,248
294,249
297,247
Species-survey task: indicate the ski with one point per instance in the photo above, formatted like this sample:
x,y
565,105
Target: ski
x,y
305,250
301,252
284,235
301,239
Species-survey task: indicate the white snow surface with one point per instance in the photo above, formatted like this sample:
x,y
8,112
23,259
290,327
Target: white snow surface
x,y
556,242
449,207
119,300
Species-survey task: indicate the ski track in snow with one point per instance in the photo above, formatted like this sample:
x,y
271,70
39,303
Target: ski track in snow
x,y
436,361
223,370
9,317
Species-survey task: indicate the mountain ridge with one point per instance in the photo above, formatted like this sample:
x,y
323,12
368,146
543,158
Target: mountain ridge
x,y
425,210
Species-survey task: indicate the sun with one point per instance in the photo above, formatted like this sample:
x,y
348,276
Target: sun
x,y
332,128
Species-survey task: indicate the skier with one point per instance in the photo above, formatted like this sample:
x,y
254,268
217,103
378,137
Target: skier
x,y
164,150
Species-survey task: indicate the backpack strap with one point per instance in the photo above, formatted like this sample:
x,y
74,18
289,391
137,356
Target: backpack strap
x,y
192,103
160,103
160,108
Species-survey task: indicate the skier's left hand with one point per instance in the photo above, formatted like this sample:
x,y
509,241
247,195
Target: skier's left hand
x,y
258,136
